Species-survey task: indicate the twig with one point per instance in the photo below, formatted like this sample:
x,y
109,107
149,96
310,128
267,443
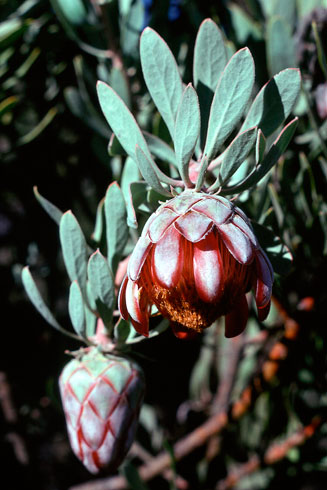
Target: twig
x,y
138,451
11,417
8,408
19,447
274,453
183,447
221,400
216,423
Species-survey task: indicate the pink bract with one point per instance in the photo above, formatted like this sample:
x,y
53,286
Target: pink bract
x,y
196,259
101,397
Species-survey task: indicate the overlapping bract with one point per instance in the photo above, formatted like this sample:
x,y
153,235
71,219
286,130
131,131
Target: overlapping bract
x,y
101,396
195,260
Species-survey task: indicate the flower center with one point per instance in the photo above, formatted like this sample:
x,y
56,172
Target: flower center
x,y
181,303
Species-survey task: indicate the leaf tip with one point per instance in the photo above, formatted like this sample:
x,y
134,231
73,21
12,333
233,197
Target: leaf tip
x,y
146,31
100,83
207,21
113,184
101,87
25,271
93,254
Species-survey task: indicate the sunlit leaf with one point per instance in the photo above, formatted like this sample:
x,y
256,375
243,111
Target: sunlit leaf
x,y
74,249
161,76
274,102
210,59
34,295
102,285
116,225
187,129
280,45
50,208
76,308
230,99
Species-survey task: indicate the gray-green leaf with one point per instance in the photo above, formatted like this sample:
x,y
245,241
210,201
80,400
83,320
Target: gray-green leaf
x,y
210,59
74,249
73,10
159,148
76,308
271,158
50,208
209,55
116,225
187,130
231,96
274,102
101,281
130,174
147,169
236,153
161,76
34,295
121,120
260,147
280,45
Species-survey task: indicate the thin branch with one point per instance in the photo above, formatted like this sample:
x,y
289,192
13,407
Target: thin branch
x,y
8,408
163,461
274,453
222,398
216,423
11,417
138,451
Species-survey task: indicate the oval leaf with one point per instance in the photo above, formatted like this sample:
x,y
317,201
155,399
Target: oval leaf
x,y
187,131
161,76
231,96
121,331
274,102
130,174
74,249
280,45
235,155
271,158
101,280
116,225
147,170
210,59
91,322
99,223
74,10
136,196
121,120
210,56
76,308
50,208
34,295
260,147
126,129
159,148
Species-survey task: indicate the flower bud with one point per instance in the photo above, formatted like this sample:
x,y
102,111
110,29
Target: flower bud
x,y
101,396
196,259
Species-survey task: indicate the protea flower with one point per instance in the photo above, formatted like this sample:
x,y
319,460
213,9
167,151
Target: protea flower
x,y
196,259
101,396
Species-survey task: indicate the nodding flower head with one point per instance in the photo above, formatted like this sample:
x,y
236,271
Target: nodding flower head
x,y
196,259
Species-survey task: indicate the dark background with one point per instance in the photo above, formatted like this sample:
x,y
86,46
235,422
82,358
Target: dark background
x,y
67,160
